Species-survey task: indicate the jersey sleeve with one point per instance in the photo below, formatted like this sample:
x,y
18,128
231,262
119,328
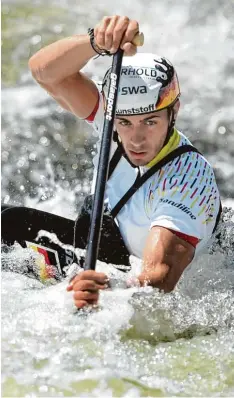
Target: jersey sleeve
x,y
187,197
96,118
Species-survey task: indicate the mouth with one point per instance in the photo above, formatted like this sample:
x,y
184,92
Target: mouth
x,y
138,154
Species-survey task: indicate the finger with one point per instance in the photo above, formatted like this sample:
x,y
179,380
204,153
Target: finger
x,y
109,32
129,49
86,296
72,281
82,285
98,277
118,33
100,32
69,288
91,286
132,30
80,303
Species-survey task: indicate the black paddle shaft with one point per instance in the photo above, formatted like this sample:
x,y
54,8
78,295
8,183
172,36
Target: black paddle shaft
x,y
103,165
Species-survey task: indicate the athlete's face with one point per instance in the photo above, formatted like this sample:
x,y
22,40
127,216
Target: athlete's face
x,y
142,136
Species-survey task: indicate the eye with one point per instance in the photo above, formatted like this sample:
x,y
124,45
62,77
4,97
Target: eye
x,y
150,122
124,123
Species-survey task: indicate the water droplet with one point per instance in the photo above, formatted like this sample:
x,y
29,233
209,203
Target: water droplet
x,y
36,39
44,141
32,156
222,130
58,28
43,389
57,137
41,129
5,155
6,199
21,162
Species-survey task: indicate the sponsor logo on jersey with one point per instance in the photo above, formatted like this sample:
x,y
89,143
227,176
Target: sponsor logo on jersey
x,y
180,206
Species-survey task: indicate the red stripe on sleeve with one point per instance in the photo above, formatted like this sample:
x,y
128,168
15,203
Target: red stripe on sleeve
x,y
190,239
92,115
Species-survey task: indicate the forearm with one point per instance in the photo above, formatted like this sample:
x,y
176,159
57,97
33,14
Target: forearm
x,y
165,258
158,278
61,59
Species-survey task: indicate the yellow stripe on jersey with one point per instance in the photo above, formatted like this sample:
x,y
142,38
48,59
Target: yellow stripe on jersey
x,y
171,145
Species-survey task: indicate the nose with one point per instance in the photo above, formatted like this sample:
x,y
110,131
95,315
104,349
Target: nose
x,y
138,137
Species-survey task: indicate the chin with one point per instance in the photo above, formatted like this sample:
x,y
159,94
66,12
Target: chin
x,y
138,162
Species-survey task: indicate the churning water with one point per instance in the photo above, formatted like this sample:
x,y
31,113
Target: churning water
x,y
137,342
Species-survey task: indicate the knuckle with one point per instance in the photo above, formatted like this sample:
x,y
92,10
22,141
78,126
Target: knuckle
x,y
108,33
101,32
91,286
134,24
73,280
125,19
87,274
101,287
80,286
119,29
77,295
81,276
115,17
129,49
106,18
85,295
80,303
76,285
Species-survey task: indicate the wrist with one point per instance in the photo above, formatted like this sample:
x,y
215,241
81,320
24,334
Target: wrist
x,y
98,50
83,42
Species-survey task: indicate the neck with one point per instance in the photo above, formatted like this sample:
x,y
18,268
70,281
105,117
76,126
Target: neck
x,y
169,147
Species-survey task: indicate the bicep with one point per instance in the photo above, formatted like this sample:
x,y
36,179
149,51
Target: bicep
x,y
166,254
77,94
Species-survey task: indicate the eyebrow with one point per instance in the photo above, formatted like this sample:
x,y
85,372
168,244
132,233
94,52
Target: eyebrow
x,y
147,118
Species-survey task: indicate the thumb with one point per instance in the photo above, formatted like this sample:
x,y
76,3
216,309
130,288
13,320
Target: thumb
x,y
71,282
69,287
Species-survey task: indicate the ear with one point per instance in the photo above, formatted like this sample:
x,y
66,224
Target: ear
x,y
176,108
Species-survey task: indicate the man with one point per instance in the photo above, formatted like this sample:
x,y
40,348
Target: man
x,y
173,214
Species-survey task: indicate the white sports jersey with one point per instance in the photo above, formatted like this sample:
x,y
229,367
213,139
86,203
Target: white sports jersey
x,y
182,196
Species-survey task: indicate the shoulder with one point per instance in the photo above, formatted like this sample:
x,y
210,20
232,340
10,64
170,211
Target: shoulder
x,y
188,164
188,176
185,190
